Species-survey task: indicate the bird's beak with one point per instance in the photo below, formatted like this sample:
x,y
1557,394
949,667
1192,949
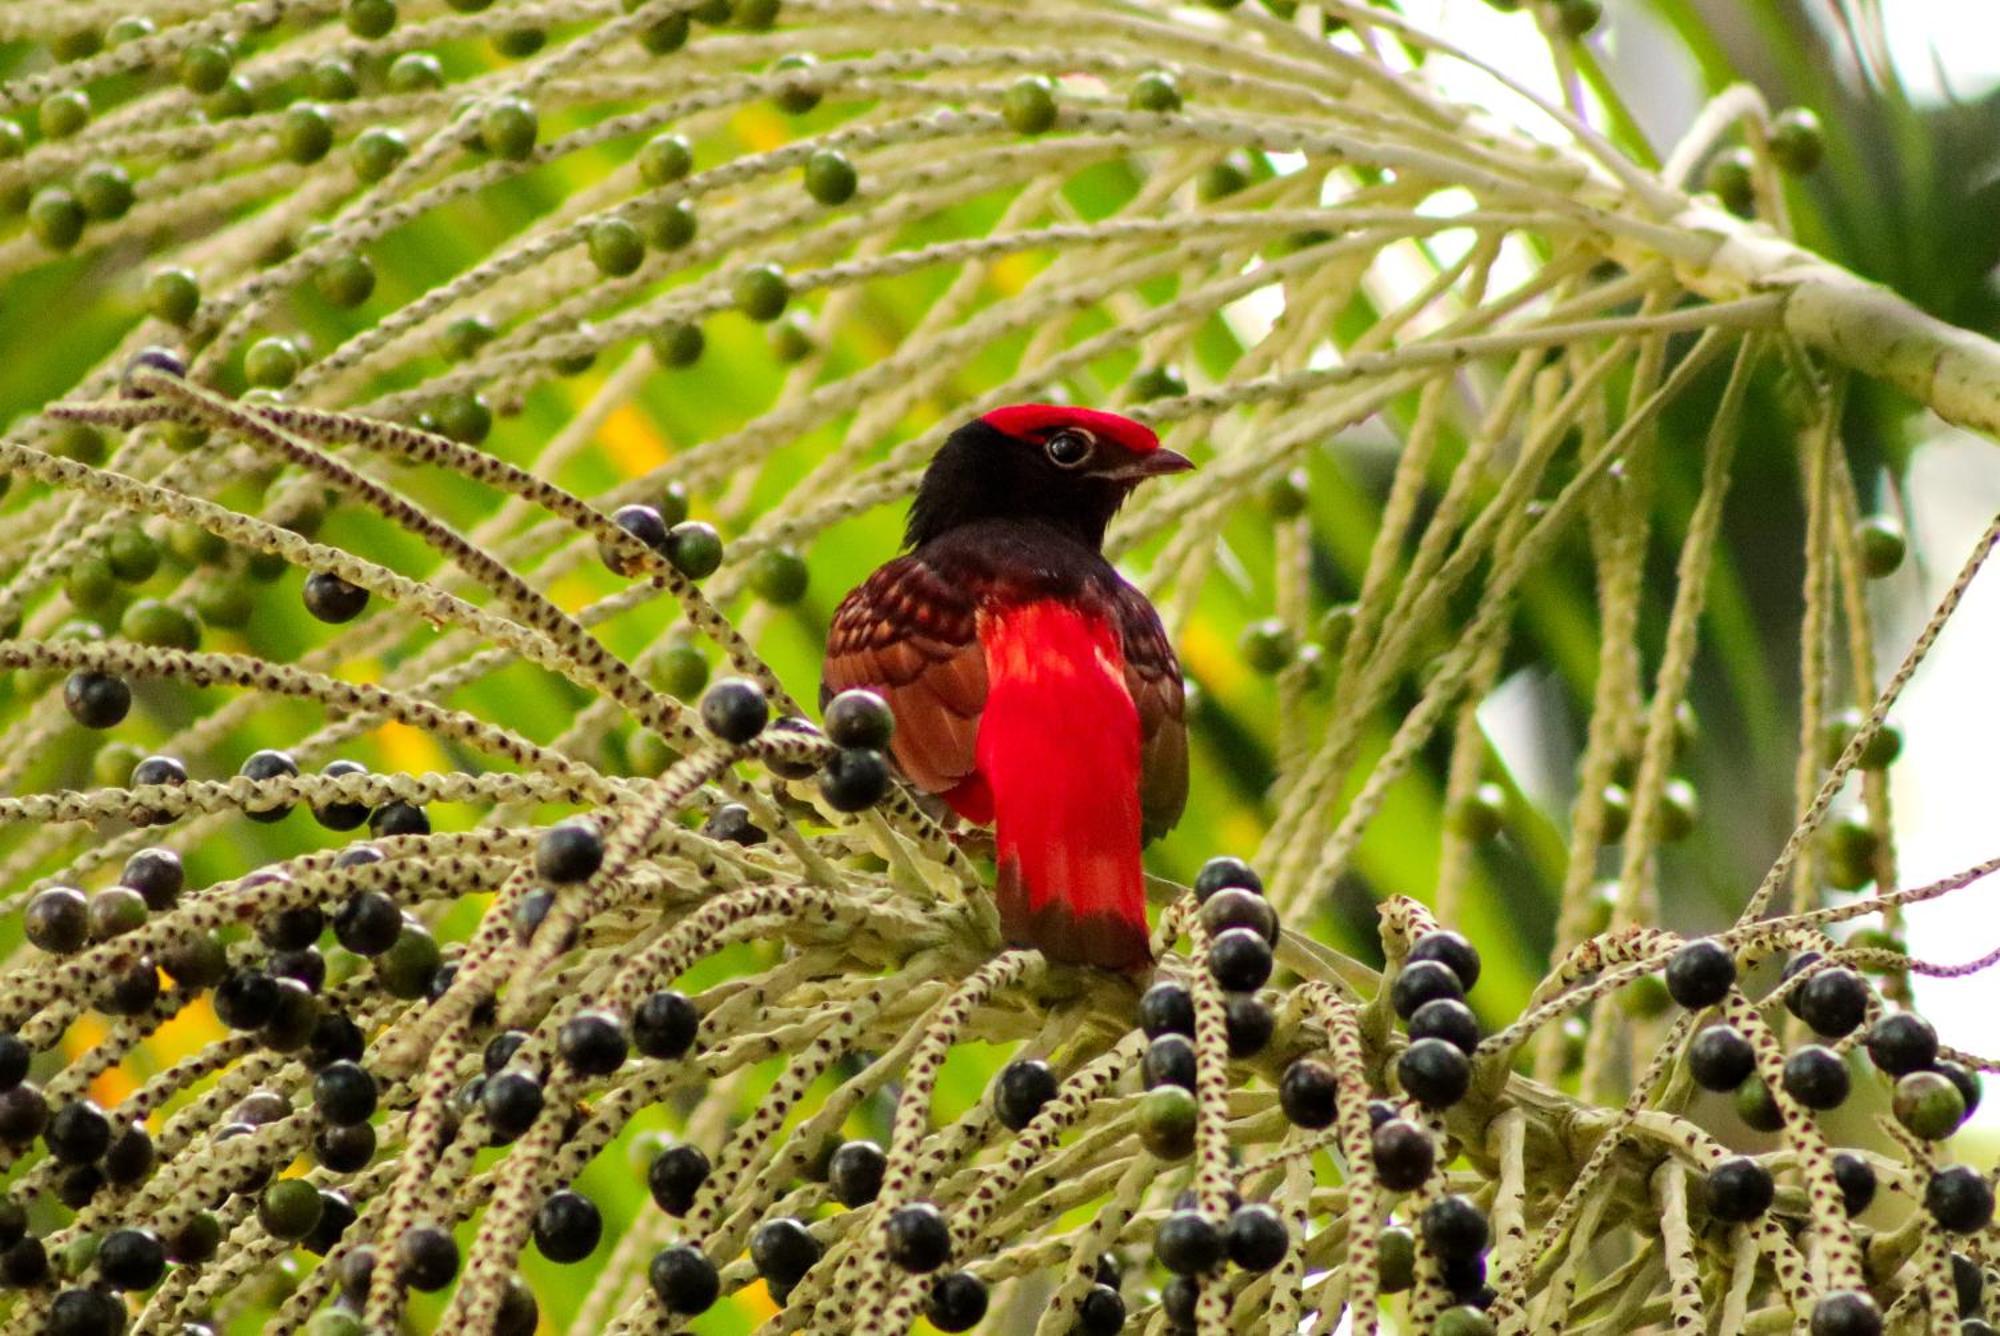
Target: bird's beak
x,y
1152,464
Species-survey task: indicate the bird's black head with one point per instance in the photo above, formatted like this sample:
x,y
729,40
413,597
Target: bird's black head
x,y
1070,468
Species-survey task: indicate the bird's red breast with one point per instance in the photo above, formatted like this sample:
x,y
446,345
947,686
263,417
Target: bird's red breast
x,y
1032,686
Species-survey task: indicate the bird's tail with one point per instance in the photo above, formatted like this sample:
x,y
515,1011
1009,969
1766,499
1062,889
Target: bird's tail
x,y
1059,750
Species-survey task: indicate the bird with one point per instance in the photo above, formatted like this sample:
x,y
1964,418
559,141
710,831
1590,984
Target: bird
x,y
1033,688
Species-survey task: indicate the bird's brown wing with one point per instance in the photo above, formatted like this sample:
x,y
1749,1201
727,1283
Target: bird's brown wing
x,y
912,636
1153,676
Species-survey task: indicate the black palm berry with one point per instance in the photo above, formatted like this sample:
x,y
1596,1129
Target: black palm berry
x,y
345,1094
783,1250
1797,964
86,1313
76,1188
332,599
530,910
519,1314
336,1213
97,700
427,1257
1856,1180
734,709
1833,1002
1968,1282
1217,873
677,1174
1701,973
57,920
265,765
341,815
1435,1073
13,1223
132,1259
367,923
501,1048
957,1301
1720,1058
1846,1313
1102,1312
1240,960
644,523
1902,1042
1188,1243
345,1150
113,912
568,1226
306,967
854,779
1403,1154
79,1132
246,1000
1757,1107
1960,1198
1453,1228
1447,1019
1424,981
855,1172
24,1264
1249,1024
1465,1277
1234,907
570,851
1966,1080
289,1208
159,770
859,718
512,1100
1816,1077
1178,1298
665,1024
593,1042
1448,948
1739,1189
24,1112
1166,1008
1307,1093
130,1156
1169,1063
684,1279
732,822
335,1038
291,929
919,1238
292,1020
199,1239
1023,1087
399,818
1256,1237
156,874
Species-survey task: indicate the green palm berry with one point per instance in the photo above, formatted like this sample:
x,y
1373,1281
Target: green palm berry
x,y
272,363
415,72
1268,645
80,44
1928,1104
756,15
1284,496
677,344
112,766
791,340
233,100
13,139
466,418
695,549
521,41
761,291
1167,1122
672,502
105,190
465,336
1680,808
1882,545
714,12
668,227
332,79
80,441
129,29
1579,16
55,217
204,68
779,575
580,361
347,280
152,622
830,177
91,585
509,129
1335,626
1836,732
1158,382
193,545
182,437
371,18
1883,747
306,133
665,36
1155,90
1797,142
666,158
1481,814
377,151
223,603
1731,179
616,247
1646,997
1851,847
1221,179
796,98
682,671
469,6
1029,107
133,554
1617,813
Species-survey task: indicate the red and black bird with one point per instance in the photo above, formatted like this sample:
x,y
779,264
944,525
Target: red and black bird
x,y
1032,686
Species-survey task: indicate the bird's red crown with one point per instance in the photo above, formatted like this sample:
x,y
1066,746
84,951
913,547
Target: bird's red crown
x,y
1033,421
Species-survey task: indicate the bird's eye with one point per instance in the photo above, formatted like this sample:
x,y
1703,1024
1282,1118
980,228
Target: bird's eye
x,y
1068,448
